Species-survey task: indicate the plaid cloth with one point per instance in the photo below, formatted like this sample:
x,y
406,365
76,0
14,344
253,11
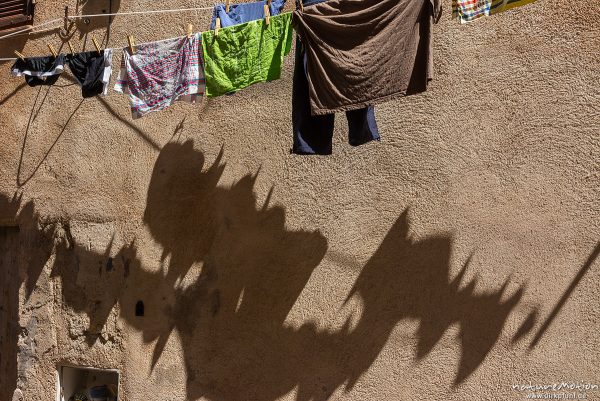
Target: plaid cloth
x,y
159,73
469,10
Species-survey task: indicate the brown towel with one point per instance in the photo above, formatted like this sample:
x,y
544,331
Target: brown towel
x,y
361,52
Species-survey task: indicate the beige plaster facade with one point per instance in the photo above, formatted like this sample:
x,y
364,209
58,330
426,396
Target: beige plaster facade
x,y
453,259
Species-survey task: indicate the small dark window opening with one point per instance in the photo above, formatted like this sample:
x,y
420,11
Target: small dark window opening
x,y
139,308
15,13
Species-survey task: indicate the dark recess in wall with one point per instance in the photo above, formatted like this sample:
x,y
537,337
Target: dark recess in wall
x,y
9,309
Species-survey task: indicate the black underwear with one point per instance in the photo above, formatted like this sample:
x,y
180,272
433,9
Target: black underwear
x,y
39,70
88,68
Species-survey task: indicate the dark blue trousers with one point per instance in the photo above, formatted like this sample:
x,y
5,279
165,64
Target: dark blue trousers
x,y
314,134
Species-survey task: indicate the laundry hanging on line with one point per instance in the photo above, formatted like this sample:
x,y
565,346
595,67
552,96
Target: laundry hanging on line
x,y
160,73
92,70
39,70
46,73
251,47
351,55
470,10
244,12
238,12
313,135
245,54
362,53
255,49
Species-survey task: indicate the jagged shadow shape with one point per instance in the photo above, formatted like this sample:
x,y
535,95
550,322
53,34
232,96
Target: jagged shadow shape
x,y
402,280
14,92
37,236
231,318
408,279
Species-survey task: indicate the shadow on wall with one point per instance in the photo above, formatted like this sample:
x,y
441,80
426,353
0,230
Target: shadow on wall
x,y
27,169
253,268
9,304
80,27
408,279
35,234
89,284
9,45
84,26
22,177
231,318
566,295
231,272
21,231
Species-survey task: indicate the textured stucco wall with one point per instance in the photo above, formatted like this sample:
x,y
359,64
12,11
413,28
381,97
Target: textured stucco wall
x,y
420,267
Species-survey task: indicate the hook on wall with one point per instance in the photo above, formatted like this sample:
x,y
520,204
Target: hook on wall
x,y
65,32
66,21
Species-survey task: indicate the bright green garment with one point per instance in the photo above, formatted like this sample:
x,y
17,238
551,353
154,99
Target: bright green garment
x,y
242,55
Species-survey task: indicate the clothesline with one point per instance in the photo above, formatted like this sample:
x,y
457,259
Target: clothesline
x,y
73,17
113,48
31,28
210,64
173,10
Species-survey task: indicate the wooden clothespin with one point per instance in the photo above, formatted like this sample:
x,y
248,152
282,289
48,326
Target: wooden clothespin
x,y
267,15
70,47
20,55
190,27
227,6
131,44
96,45
217,26
52,50
301,5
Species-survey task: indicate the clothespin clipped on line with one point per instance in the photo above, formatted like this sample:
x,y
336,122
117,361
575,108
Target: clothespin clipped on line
x,y
20,55
190,27
267,14
131,44
52,50
71,47
217,26
227,6
96,45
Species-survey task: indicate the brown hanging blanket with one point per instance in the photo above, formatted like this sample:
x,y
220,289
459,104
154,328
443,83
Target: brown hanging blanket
x,y
361,52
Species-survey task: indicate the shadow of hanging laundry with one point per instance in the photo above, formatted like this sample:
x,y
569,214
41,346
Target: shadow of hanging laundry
x,y
586,266
23,178
230,273
231,318
408,279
